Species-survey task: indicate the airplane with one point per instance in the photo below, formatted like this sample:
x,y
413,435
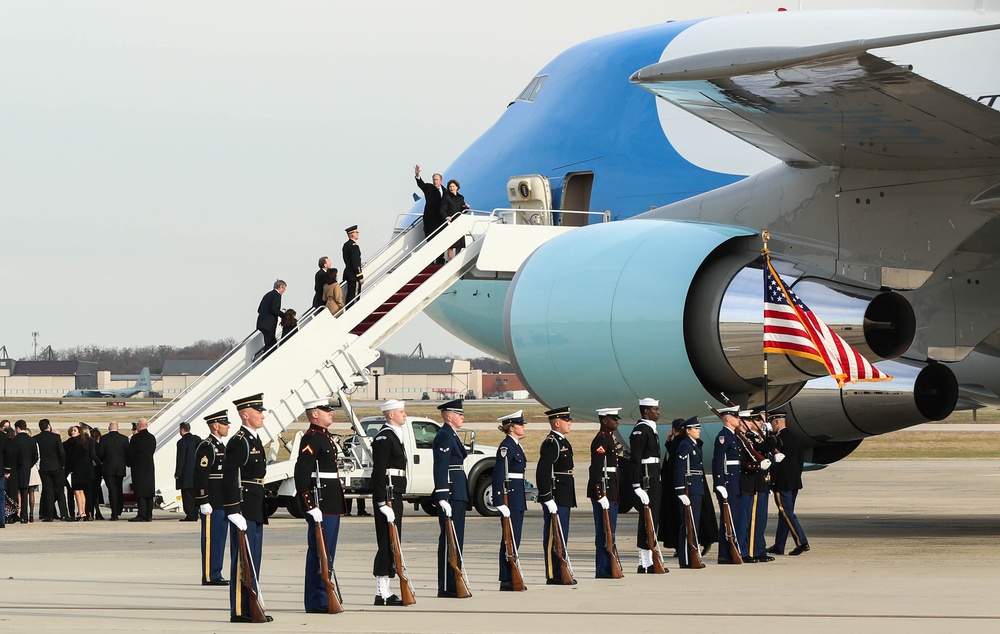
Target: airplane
x,y
143,384
866,142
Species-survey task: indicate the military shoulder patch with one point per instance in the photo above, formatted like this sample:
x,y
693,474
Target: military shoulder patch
x,y
601,450
722,439
204,461
503,452
307,448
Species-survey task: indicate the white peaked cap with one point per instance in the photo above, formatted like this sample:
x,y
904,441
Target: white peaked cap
x,y
609,411
648,402
391,404
320,402
518,414
729,410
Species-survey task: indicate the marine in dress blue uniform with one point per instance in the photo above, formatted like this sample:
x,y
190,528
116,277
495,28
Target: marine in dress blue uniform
x,y
751,521
209,460
556,487
602,486
689,484
324,503
508,477
726,474
243,494
644,446
388,487
451,489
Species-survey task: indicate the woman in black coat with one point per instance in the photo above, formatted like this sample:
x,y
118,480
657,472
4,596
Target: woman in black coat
x,y
80,458
452,206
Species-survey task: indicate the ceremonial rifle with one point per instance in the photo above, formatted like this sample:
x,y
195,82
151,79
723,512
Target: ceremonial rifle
x,y
405,588
455,561
652,541
694,550
565,568
609,535
333,603
510,546
727,520
249,579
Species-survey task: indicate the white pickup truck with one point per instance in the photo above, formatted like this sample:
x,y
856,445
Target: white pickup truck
x,y
356,467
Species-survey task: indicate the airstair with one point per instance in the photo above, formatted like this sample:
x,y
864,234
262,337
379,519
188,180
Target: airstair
x,y
328,354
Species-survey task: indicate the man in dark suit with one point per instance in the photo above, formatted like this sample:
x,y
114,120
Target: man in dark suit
x,y
354,277
24,455
432,201
112,450
187,448
5,468
320,281
268,314
139,456
52,469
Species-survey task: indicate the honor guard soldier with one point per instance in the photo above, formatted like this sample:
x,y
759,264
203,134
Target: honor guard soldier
x,y
353,275
688,481
726,474
752,518
786,480
556,488
210,458
243,495
451,490
508,487
318,487
644,444
602,487
388,487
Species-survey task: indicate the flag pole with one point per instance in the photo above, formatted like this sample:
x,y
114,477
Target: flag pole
x,y
765,236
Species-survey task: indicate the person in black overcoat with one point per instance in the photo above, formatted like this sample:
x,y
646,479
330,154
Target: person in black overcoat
x,y
320,280
139,457
24,454
52,470
268,314
433,194
111,451
187,448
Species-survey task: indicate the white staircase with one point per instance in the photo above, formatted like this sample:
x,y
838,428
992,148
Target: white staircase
x,y
328,353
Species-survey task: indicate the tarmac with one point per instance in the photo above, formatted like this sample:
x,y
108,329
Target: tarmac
x,y
895,546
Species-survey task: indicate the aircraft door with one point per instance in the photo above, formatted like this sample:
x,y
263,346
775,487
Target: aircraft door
x,y
576,190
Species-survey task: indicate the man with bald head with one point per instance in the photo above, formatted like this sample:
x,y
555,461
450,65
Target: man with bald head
x,y
111,451
139,457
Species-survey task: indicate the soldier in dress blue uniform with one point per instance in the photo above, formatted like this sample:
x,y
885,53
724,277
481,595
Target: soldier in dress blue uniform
x,y
752,519
786,480
388,487
451,489
644,444
209,460
243,494
323,504
602,486
508,477
556,487
726,475
688,481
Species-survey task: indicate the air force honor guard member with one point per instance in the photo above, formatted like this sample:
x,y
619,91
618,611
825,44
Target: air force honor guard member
x,y
726,475
243,487
451,489
688,482
602,487
508,476
210,457
556,488
644,444
388,487
318,487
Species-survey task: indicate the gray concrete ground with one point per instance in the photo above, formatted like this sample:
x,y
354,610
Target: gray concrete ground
x,y
896,546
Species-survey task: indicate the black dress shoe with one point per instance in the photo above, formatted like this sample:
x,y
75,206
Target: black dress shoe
x,y
705,549
749,560
764,559
774,550
558,582
798,550
722,560
643,570
444,594
215,582
113,518
318,611
248,619
506,586
603,577
139,519
393,600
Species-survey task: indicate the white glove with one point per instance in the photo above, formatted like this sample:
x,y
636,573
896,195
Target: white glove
x,y
238,521
445,506
503,510
778,456
604,503
685,500
768,428
550,506
205,509
316,514
390,515
765,464
642,495
723,492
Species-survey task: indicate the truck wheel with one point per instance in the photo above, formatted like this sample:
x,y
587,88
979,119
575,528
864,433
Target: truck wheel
x,y
430,507
483,498
270,506
293,507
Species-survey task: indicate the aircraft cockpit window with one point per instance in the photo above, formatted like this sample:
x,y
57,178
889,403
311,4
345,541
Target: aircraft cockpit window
x,y
534,87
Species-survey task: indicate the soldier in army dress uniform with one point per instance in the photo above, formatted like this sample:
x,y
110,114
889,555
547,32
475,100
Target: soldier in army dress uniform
x,y
644,444
508,476
752,519
243,491
556,488
451,489
209,460
602,486
318,487
388,487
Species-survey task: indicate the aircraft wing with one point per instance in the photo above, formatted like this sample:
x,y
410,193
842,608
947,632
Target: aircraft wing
x,y
833,104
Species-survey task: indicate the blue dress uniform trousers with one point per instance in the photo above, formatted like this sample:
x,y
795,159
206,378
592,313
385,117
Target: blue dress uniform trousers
x,y
549,540
315,586
239,601
603,558
446,575
516,522
750,525
725,553
682,549
213,544
788,523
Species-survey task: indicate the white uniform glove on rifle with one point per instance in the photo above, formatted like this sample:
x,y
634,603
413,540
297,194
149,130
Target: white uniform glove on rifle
x,y
386,510
205,509
778,456
604,503
238,521
550,505
685,500
765,464
445,506
503,510
642,495
723,492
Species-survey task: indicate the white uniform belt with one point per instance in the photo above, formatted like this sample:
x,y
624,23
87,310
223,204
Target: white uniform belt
x,y
253,481
570,472
455,467
650,460
610,469
515,476
325,475
399,473
732,462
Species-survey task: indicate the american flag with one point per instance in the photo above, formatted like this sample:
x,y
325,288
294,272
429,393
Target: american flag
x,y
791,328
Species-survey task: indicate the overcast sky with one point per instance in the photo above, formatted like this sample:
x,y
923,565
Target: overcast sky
x,y
162,163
